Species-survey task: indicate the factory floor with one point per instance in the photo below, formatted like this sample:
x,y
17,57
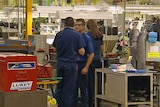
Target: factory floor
x,y
109,104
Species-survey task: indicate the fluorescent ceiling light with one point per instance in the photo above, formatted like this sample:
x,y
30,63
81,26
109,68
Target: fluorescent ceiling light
x,y
150,12
85,8
84,14
154,13
143,7
114,8
117,11
51,9
15,9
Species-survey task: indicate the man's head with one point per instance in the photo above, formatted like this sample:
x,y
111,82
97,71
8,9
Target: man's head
x,y
69,22
80,25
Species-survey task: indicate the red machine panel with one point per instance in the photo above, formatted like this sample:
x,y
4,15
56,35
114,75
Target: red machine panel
x,y
18,72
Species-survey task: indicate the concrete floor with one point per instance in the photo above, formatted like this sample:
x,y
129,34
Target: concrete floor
x,y
108,104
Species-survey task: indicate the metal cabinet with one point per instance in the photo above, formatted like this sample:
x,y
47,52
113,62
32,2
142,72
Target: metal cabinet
x,y
125,89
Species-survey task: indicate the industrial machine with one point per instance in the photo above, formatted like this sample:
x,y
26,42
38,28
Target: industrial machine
x,y
41,47
18,72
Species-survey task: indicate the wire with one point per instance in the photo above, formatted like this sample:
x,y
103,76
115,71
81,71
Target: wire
x,y
47,59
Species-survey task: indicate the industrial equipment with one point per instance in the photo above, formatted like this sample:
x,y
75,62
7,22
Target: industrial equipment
x,y
18,72
41,47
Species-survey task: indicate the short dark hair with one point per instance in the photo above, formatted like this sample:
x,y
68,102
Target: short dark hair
x,y
69,22
81,20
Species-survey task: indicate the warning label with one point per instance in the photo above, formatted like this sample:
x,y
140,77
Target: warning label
x,y
153,55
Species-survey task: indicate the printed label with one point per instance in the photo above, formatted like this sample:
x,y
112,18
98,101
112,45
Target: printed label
x,y
21,86
153,55
21,65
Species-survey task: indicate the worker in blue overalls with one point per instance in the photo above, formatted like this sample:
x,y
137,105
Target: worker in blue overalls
x,y
68,44
84,62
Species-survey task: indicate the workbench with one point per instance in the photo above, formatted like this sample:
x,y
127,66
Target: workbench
x,y
125,89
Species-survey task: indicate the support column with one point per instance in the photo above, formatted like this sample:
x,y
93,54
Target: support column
x,y
17,3
28,18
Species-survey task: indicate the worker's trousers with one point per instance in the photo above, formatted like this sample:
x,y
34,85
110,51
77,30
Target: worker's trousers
x,y
82,83
66,92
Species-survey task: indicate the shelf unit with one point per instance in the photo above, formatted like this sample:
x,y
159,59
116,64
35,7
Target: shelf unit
x,y
125,89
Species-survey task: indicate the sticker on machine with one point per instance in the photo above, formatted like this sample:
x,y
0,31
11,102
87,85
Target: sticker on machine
x,y
21,86
21,65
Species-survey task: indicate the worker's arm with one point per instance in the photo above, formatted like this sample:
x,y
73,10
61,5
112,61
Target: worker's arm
x,y
54,49
81,51
88,63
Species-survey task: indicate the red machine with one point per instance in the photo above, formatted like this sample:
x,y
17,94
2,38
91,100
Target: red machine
x,y
18,72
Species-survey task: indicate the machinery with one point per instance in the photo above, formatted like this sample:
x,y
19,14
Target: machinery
x,y
18,72
41,47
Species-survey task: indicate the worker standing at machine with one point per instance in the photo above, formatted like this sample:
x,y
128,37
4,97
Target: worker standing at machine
x,y
84,62
68,44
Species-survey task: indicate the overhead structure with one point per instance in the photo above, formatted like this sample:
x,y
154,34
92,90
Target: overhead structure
x,y
84,14
144,9
77,11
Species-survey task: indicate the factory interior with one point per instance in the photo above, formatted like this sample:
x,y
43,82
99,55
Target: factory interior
x,y
130,72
